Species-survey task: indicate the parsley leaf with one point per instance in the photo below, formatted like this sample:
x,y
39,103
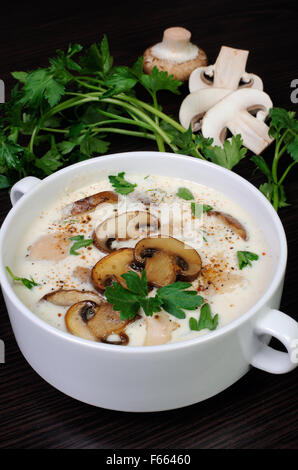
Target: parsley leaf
x,y
123,300
229,155
41,84
174,298
92,145
198,209
10,154
205,321
245,258
4,182
260,162
79,243
135,283
159,80
120,79
185,193
293,149
29,283
120,185
281,119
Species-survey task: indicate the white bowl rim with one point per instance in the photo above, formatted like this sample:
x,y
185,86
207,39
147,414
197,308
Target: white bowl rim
x,y
281,266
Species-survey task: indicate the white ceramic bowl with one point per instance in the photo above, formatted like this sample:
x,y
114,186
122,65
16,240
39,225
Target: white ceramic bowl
x,y
162,377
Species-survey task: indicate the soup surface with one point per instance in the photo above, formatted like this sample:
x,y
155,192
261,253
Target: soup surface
x,y
235,258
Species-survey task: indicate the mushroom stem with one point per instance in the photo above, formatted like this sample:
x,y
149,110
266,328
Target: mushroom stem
x,y
254,132
176,39
229,67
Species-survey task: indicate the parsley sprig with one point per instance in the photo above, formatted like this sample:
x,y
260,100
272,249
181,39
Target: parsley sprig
x,y
79,242
205,321
198,209
173,298
120,185
245,258
29,283
284,129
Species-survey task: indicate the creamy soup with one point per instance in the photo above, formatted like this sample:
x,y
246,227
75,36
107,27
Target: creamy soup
x,y
217,234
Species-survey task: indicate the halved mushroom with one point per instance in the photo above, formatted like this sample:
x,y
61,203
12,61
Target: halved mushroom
x,y
229,220
186,259
196,104
95,322
50,247
111,267
227,72
175,54
66,297
129,225
159,329
89,203
234,112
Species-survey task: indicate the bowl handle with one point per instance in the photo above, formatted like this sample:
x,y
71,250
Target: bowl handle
x,y
22,187
283,328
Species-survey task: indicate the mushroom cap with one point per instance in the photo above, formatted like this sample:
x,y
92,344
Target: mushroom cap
x,y
95,322
187,260
111,267
89,203
180,71
126,226
66,297
198,80
175,54
234,113
196,104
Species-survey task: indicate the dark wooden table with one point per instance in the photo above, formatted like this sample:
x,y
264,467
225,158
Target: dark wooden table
x,y
260,411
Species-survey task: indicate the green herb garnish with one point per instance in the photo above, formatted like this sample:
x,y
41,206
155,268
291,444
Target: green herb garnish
x,y
198,209
205,321
185,193
29,283
284,129
172,298
229,155
79,242
245,258
120,185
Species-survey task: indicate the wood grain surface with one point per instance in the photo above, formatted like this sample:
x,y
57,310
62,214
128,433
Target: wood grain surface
x,y
260,411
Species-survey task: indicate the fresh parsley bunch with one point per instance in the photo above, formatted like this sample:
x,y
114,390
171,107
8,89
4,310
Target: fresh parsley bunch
x,y
65,113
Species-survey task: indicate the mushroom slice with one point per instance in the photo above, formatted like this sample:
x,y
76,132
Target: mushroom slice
x,y
76,319
229,220
92,321
227,72
159,329
161,269
129,225
66,297
50,247
111,267
175,54
196,104
89,203
106,321
186,259
233,112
